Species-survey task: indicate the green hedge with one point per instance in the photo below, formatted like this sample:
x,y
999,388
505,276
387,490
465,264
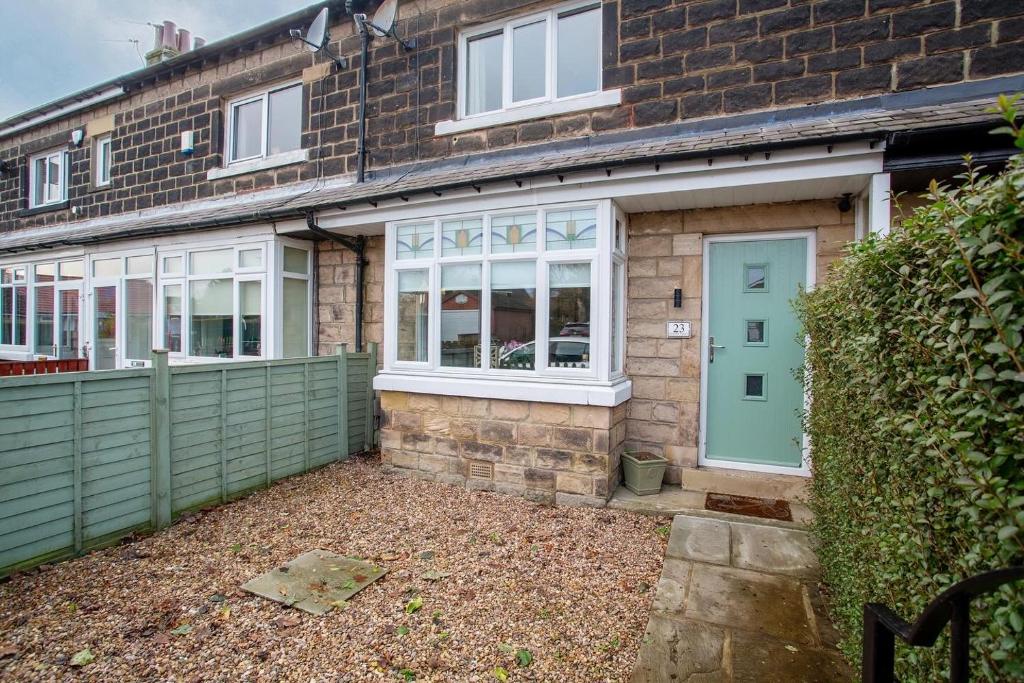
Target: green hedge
x,y
917,418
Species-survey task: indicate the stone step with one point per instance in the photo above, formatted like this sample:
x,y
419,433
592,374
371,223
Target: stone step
x,y
674,501
741,483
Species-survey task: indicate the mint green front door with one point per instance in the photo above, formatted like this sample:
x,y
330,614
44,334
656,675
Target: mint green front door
x,y
753,398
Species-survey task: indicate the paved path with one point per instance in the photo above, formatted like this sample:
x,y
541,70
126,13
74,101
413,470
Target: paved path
x,y
738,602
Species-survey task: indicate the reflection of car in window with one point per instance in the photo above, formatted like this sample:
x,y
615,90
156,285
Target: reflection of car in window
x,y
564,352
575,330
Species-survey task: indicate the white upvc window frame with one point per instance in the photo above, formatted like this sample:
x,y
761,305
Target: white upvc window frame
x,y
236,275
506,26
61,158
24,344
102,151
598,257
262,96
280,276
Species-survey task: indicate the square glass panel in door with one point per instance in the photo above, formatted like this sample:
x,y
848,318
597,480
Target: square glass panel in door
x,y
755,277
756,332
748,422
68,324
105,330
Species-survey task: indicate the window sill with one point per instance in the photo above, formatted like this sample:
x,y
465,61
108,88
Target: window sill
x,y
547,392
45,208
605,98
254,165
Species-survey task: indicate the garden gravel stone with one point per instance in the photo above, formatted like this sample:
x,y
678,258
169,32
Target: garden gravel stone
x,y
570,586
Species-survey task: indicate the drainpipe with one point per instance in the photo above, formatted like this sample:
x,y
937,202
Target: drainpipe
x,y
364,40
357,245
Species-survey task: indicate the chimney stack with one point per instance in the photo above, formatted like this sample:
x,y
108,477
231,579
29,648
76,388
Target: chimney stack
x,y
170,41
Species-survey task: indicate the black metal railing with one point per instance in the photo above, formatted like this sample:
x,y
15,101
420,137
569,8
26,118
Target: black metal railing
x,y
953,607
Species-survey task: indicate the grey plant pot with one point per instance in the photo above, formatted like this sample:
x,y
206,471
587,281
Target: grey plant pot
x,y
643,477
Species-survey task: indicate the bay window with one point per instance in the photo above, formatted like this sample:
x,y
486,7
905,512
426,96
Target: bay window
x,y
517,295
13,305
543,57
39,309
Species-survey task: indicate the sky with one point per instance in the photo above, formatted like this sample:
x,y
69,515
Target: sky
x,y
52,48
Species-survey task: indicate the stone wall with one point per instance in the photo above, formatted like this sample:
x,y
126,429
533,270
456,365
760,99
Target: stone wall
x,y
675,60
665,253
336,295
547,452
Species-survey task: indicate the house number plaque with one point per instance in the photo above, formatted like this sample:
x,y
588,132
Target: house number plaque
x,y
677,328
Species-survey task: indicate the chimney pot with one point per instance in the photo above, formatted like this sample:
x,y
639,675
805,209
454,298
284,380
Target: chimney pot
x,y
184,40
198,42
170,39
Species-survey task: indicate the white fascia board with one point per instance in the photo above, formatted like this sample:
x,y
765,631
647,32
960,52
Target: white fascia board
x,y
798,164
108,94
545,392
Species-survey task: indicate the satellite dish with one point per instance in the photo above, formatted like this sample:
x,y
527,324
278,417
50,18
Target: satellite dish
x,y
316,35
317,38
384,20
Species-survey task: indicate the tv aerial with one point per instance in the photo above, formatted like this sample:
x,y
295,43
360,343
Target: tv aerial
x,y
318,38
383,24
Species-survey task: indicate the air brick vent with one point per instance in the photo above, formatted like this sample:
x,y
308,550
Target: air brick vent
x,y
481,469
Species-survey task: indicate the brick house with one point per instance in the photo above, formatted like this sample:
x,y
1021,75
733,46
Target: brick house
x,y
574,227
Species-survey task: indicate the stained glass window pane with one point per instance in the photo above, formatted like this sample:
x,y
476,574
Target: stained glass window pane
x,y
571,229
462,237
510,234
414,241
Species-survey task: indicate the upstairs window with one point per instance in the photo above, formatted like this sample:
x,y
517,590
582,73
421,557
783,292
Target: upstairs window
x,y
101,163
48,178
539,58
265,124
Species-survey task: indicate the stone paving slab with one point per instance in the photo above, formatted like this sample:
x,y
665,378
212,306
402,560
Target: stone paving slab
x,y
775,550
699,540
738,603
315,581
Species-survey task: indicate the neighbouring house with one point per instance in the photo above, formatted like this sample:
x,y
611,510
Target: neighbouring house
x,y
573,227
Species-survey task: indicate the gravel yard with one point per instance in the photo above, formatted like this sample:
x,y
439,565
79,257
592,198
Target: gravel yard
x,y
569,587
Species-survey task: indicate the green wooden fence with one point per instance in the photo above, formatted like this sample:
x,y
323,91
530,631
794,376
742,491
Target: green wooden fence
x,y
89,457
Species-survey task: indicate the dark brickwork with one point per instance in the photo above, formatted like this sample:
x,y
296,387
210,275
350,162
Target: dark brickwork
x,y
674,60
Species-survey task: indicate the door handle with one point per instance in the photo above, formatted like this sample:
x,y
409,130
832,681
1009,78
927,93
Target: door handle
x,y
711,349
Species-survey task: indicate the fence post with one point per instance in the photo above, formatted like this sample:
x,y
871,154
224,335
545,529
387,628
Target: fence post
x,y
268,396
305,416
160,438
371,370
341,351
77,465
223,435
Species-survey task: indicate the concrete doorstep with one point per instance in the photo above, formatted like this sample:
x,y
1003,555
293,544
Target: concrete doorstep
x,y
738,602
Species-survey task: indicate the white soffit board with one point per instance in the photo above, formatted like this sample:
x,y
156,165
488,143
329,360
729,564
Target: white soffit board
x,y
846,165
